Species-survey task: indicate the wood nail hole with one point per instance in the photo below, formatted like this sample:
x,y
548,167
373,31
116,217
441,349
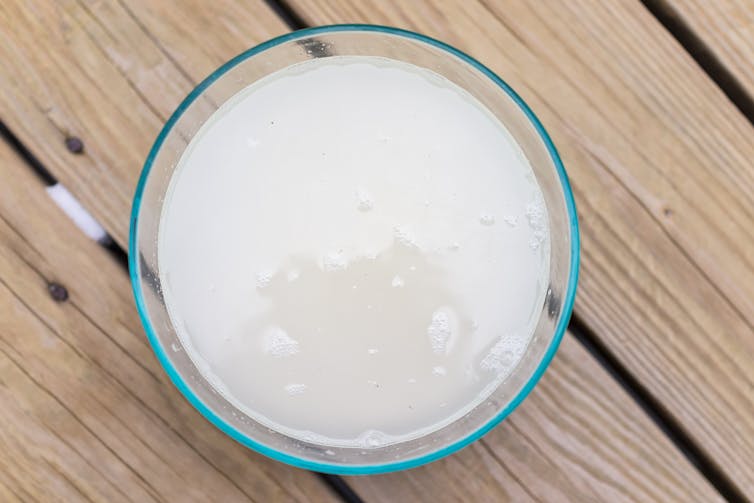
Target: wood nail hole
x,y
58,292
74,144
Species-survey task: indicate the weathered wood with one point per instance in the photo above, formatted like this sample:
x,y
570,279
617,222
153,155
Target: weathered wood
x,y
661,166
93,70
78,384
578,437
110,72
86,410
725,29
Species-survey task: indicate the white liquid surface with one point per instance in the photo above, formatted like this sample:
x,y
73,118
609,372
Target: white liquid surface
x,y
354,251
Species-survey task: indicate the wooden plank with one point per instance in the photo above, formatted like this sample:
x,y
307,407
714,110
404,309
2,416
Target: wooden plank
x,y
578,437
93,70
592,469
78,382
661,166
87,412
726,30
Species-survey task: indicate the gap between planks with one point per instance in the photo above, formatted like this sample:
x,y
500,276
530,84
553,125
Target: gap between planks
x,y
603,157
704,56
583,334
119,251
654,410
336,483
643,397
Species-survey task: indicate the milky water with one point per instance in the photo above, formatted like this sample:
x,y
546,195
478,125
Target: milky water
x,y
354,251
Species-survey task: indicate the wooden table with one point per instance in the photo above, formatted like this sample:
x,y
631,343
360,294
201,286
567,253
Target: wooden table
x,y
651,396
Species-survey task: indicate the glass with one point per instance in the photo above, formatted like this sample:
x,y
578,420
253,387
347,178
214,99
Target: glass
x,y
356,40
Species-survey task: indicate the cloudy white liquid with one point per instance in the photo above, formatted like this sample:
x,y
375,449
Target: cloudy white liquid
x,y
354,251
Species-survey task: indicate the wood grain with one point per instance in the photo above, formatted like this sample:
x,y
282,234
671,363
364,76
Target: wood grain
x,y
110,72
578,437
725,28
93,70
88,413
660,162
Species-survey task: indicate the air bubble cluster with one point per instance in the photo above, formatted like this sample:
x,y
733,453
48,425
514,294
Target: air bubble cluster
x,y
372,438
404,236
279,344
487,219
334,261
439,331
264,278
295,389
364,201
502,356
535,214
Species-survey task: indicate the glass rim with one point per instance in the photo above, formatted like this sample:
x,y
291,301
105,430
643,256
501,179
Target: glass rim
x,y
337,468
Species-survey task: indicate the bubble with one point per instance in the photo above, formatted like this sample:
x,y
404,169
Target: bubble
x,y
536,240
175,347
397,282
511,220
404,236
486,219
411,380
365,206
535,214
295,388
374,383
330,452
439,331
264,278
215,382
455,246
278,343
252,142
372,438
334,261
293,275
364,201
373,351
439,370
502,356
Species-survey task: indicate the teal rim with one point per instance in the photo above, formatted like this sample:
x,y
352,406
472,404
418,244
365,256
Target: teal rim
x,y
180,383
